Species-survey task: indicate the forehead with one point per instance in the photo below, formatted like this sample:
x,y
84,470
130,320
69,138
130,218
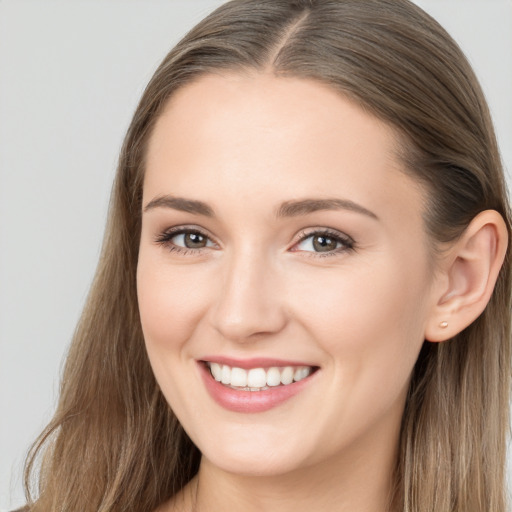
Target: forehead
x,y
231,136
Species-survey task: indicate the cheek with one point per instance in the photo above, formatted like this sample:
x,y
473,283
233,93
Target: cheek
x,y
370,326
373,316
170,308
171,302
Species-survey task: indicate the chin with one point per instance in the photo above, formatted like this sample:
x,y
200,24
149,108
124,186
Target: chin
x,y
256,453
262,464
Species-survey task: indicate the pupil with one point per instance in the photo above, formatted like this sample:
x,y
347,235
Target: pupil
x,y
324,244
195,240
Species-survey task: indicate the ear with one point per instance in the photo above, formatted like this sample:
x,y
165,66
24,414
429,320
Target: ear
x,y
467,276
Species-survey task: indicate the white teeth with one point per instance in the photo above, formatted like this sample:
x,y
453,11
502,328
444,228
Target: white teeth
x,y
258,379
273,377
301,373
216,371
238,377
226,375
287,375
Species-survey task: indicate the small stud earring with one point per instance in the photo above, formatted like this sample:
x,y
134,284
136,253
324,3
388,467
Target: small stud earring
x,y
443,324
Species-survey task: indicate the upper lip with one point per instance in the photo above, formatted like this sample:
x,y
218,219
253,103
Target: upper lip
x,y
255,362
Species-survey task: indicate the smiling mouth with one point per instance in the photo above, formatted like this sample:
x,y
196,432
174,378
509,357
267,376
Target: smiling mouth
x,y
258,379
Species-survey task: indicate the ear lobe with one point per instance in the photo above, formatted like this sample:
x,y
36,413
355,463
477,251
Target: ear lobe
x,y
468,275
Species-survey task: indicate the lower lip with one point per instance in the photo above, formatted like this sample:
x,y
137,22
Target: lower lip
x,y
250,401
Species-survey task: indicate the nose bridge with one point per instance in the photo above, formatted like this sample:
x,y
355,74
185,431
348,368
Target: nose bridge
x,y
249,301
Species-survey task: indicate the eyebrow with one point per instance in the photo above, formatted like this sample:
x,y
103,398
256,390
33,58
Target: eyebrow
x,y
305,206
181,204
292,208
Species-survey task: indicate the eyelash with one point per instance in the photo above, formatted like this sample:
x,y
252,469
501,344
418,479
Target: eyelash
x,y
347,242
165,238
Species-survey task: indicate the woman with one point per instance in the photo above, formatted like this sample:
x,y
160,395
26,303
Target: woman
x,y
303,299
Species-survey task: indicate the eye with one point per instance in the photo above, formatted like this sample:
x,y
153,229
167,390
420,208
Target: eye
x,y
185,240
325,243
191,240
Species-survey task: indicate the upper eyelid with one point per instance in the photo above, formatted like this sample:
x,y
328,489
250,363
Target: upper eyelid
x,y
347,242
324,231
303,233
165,236
177,230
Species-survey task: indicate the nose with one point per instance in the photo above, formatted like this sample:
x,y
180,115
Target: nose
x,y
251,301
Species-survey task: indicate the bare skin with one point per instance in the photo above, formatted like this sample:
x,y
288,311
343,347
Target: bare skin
x,y
348,291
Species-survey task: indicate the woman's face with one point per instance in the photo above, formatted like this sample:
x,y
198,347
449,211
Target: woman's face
x,y
282,250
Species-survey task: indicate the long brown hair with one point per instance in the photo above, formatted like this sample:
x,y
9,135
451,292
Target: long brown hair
x,y
115,445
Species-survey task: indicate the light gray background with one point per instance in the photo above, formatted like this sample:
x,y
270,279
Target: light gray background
x,y
71,73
